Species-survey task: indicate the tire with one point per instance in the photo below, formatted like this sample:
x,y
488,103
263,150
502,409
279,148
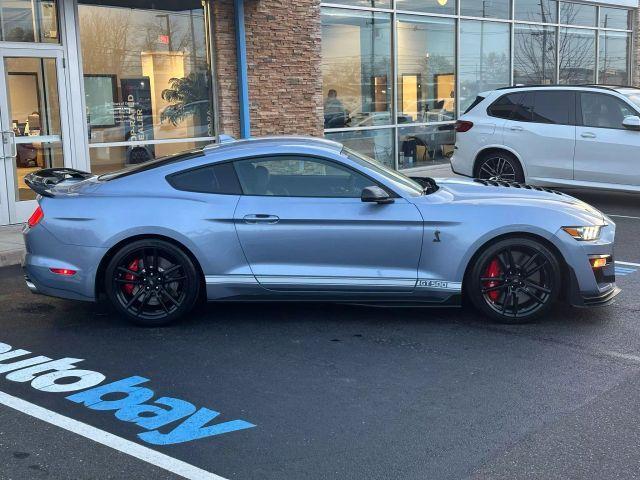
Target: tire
x,y
499,165
152,283
514,281
139,155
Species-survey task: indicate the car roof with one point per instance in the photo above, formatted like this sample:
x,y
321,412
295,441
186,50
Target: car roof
x,y
614,88
227,148
276,141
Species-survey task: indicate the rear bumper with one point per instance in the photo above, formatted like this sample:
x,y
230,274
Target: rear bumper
x,y
45,251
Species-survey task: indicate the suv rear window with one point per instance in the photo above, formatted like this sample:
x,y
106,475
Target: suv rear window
x,y
505,105
475,103
537,106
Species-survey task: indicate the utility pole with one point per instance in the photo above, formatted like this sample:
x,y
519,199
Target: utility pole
x,y
544,41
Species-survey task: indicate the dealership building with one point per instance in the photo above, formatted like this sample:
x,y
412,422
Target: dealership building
x,y
102,84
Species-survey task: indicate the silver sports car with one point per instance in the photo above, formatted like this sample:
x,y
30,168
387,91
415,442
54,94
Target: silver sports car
x,y
301,219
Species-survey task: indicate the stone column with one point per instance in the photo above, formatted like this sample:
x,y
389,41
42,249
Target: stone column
x,y
283,57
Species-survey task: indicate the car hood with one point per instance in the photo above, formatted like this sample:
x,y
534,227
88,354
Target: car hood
x,y
466,191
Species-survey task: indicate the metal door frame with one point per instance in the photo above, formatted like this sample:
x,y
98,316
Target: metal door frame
x,y
12,210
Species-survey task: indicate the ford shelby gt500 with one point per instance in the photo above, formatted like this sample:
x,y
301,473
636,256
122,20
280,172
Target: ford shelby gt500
x,y
301,219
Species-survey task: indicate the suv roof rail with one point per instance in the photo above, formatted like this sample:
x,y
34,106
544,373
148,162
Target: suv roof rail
x,y
556,85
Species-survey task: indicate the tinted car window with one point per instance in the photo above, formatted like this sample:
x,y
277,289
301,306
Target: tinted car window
x,y
219,178
292,176
504,106
522,112
600,110
554,106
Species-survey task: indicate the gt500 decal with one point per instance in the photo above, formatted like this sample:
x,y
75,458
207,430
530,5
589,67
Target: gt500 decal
x,y
440,285
52,376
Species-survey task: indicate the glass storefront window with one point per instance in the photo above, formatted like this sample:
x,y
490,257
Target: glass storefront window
x,y
484,58
541,11
112,158
614,58
486,8
421,146
356,68
534,61
499,43
578,14
363,3
426,69
615,18
577,56
444,7
29,21
146,74
377,144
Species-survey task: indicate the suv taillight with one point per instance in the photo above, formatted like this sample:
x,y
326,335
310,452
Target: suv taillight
x,y
35,217
463,126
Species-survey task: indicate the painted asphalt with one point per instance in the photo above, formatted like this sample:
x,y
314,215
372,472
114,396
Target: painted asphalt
x,y
345,392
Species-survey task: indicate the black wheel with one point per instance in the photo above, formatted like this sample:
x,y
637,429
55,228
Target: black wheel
x,y
139,155
152,282
500,166
514,281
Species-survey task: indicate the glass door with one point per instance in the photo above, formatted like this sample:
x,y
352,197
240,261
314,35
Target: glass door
x,y
33,122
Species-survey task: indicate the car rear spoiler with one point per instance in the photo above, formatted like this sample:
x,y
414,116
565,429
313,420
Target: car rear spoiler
x,y
44,180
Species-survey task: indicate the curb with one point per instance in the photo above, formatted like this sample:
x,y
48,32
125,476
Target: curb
x,y
11,257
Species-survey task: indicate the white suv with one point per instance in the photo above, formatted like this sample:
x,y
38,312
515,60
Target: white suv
x,y
586,136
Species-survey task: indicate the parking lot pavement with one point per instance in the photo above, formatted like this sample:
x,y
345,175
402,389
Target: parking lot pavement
x,y
341,391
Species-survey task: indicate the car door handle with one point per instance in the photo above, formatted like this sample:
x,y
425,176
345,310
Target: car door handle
x,y
516,128
588,135
261,218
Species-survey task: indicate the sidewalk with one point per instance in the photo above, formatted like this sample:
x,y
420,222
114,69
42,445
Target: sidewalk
x,y
435,171
11,245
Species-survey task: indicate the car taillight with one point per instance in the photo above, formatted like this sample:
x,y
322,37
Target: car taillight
x,y
35,217
463,126
63,271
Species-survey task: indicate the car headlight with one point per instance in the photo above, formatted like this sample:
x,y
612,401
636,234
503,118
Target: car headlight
x,y
584,234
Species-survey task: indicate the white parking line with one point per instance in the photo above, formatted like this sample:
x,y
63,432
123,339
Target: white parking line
x,y
133,449
628,264
622,216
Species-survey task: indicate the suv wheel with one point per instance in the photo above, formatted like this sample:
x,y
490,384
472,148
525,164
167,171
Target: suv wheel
x,y
515,280
152,282
501,166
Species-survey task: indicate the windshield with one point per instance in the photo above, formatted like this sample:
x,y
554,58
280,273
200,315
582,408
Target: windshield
x,y
632,94
398,179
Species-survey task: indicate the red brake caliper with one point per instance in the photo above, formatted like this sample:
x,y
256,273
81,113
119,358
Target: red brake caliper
x,y
128,287
493,271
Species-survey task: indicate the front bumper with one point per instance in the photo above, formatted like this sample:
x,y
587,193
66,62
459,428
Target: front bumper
x,y
589,287
602,300
581,300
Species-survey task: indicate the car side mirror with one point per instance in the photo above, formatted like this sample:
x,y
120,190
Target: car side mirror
x,y
631,122
376,194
